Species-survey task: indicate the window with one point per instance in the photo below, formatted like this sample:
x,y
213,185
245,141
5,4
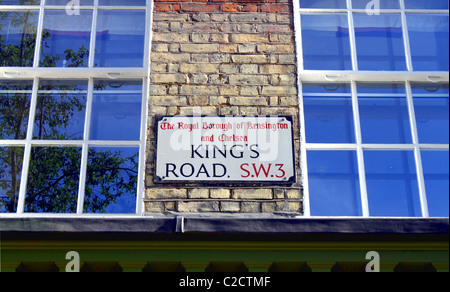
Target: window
x,y
374,35
72,106
374,107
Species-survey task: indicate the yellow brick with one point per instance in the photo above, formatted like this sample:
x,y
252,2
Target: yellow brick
x,y
252,194
249,38
199,68
220,193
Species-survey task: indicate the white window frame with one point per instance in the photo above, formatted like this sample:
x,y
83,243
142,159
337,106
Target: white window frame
x,y
88,74
352,77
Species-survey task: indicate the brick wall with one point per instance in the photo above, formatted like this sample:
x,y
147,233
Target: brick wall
x,y
223,57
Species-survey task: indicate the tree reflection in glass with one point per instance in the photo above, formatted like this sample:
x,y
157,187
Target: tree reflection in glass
x,y
68,99
18,37
15,97
60,115
11,159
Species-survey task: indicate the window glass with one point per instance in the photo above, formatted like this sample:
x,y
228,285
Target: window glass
x,y
20,2
60,110
65,2
66,39
379,42
420,4
111,180
53,180
342,4
384,114
326,42
122,2
436,173
15,97
431,106
120,38
116,110
369,4
11,159
392,188
18,38
428,36
329,115
334,183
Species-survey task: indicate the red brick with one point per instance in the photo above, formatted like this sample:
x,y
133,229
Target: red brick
x,y
172,0
187,7
275,8
249,8
176,7
162,7
249,1
230,8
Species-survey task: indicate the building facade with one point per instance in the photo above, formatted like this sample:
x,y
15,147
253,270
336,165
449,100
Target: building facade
x,y
87,85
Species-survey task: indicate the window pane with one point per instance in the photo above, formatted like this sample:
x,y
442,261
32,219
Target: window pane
x,y
60,110
20,2
11,159
53,180
436,173
334,183
122,2
420,4
368,4
18,38
15,97
323,4
111,181
120,38
116,110
326,42
384,118
392,183
431,105
328,118
66,39
64,3
428,36
379,42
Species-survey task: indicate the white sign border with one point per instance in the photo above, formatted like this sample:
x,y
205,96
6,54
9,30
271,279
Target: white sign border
x,y
158,180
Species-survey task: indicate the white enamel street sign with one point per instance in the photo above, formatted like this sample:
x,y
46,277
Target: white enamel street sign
x,y
225,149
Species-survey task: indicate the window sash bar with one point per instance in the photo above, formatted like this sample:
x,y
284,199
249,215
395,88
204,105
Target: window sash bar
x,y
27,154
417,154
71,73
407,46
299,36
85,150
37,49
303,153
93,36
140,187
304,156
322,76
330,146
359,152
351,27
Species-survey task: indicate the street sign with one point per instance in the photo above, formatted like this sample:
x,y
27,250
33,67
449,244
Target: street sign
x,y
225,149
